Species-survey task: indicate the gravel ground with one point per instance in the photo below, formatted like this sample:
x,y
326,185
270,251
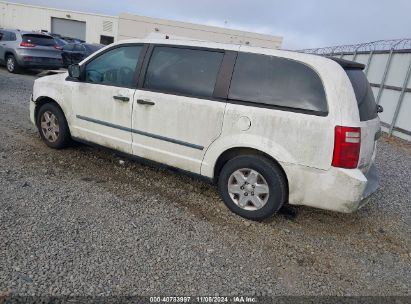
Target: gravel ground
x,y
80,222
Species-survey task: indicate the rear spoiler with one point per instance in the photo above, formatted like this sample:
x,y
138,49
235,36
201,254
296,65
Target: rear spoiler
x,y
347,64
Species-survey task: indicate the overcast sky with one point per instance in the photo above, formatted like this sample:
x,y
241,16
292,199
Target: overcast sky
x,y
303,24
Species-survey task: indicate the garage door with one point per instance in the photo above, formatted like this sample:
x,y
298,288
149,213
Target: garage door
x,y
69,28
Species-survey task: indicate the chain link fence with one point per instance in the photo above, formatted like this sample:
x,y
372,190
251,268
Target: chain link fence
x,y
388,68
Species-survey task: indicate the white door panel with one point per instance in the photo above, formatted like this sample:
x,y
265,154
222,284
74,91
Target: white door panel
x,y
101,119
176,130
103,103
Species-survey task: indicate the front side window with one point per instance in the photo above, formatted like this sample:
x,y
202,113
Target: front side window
x,y
190,72
277,82
114,67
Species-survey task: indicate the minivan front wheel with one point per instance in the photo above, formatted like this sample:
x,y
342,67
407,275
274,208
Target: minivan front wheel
x,y
53,126
11,64
252,186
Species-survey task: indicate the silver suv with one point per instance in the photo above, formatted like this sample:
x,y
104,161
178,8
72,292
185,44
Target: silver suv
x,y
29,50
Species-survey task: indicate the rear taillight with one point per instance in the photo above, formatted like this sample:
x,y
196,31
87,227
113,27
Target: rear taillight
x,y
27,44
347,144
57,47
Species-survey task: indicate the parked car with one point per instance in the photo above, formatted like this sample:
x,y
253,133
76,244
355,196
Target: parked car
x,y
268,126
73,40
19,49
76,52
60,42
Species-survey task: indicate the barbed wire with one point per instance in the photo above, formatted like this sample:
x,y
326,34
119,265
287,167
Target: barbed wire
x,y
379,45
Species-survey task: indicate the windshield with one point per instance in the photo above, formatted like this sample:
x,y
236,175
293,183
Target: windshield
x,y
363,92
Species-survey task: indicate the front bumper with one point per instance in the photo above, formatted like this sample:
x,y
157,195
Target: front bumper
x,y
32,110
336,189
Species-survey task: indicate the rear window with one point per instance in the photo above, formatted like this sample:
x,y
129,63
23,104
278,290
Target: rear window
x,y
41,40
92,48
78,48
277,82
363,92
68,47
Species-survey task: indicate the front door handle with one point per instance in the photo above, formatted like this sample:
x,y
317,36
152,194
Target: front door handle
x,y
145,102
121,98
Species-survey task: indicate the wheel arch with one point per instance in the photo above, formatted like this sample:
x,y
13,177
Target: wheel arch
x,y
238,151
7,53
42,100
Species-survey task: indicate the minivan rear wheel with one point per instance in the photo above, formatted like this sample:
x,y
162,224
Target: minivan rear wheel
x,y
252,186
11,64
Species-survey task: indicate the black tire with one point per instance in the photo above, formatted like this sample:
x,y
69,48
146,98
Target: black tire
x,y
273,176
63,137
13,66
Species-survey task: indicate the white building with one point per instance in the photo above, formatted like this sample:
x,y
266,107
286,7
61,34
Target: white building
x,y
95,28
90,27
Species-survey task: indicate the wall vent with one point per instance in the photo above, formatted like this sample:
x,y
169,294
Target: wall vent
x,y
108,26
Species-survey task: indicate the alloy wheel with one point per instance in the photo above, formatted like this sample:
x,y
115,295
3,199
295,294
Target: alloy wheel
x,y
50,126
10,64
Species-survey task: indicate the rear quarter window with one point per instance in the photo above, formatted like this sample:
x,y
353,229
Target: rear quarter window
x,y
41,40
7,36
277,82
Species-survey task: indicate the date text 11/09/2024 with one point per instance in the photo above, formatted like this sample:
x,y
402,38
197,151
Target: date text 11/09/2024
x,y
214,299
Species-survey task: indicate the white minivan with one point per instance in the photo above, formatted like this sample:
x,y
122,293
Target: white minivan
x,y
268,126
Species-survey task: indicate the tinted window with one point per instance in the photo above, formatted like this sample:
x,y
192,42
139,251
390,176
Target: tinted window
x,y
278,82
183,71
363,92
8,36
41,40
115,67
68,47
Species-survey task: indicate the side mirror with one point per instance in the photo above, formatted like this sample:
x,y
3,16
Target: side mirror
x,y
74,71
380,109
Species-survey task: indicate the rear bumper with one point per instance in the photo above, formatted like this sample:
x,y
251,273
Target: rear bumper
x,y
27,59
42,65
341,190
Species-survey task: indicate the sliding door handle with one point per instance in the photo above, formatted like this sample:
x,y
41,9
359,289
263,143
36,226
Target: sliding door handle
x,y
145,102
121,98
